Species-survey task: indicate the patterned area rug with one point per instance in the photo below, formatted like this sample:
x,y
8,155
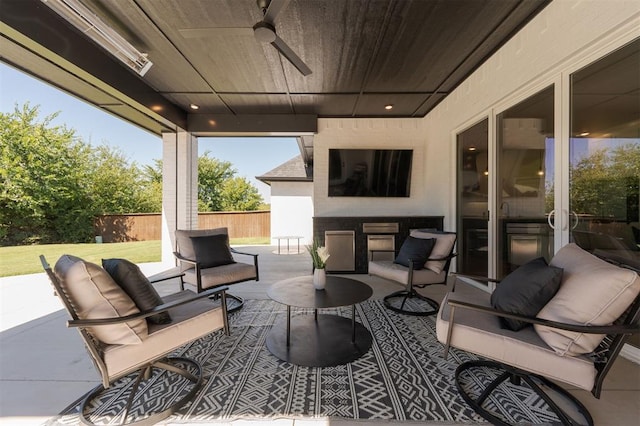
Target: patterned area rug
x,y
402,377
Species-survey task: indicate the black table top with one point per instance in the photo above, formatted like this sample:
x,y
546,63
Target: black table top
x,y
339,291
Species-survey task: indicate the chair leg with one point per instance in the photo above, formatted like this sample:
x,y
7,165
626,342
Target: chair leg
x,y
401,297
504,373
139,394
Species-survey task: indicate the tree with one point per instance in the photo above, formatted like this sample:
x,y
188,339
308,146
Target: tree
x,y
239,194
44,175
211,175
120,187
53,184
602,182
152,189
219,189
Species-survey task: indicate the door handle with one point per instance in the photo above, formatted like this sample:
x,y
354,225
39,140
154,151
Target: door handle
x,y
551,213
575,225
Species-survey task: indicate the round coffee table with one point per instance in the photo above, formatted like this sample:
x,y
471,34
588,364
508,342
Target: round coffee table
x,y
319,340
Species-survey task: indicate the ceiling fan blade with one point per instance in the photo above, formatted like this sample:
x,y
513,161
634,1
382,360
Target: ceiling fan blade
x,y
275,7
291,56
217,31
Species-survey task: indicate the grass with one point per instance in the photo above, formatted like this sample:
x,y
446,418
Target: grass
x,y
22,260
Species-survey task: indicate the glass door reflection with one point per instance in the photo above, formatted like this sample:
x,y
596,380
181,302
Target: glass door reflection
x,y
604,151
473,192
525,182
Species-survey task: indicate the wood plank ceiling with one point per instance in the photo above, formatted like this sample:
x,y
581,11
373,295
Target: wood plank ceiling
x,y
364,54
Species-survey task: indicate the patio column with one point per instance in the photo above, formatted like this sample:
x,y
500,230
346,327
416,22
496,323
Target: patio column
x,y
179,188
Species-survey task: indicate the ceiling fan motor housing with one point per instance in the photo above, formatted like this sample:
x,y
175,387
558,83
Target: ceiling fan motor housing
x,y
264,32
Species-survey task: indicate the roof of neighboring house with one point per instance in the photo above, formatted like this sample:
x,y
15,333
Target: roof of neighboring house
x,y
293,170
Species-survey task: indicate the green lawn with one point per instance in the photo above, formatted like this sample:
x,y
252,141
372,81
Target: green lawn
x,y
21,260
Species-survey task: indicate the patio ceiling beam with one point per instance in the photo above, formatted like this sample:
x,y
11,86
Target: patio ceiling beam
x,y
252,124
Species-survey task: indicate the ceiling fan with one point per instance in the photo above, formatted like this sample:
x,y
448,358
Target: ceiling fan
x,y
264,31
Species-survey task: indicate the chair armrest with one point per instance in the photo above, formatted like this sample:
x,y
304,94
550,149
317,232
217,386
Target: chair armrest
x,y
82,323
449,257
243,253
588,329
476,277
181,258
169,274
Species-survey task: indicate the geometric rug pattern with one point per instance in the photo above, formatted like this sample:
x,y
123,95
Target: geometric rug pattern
x,y
402,377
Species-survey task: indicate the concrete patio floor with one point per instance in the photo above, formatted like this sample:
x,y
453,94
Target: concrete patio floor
x,y
44,366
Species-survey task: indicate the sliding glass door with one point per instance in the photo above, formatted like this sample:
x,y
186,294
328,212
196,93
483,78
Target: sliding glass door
x,y
604,156
532,177
473,201
525,182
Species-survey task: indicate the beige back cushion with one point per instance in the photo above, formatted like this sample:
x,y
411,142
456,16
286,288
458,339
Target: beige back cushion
x,y
592,292
183,239
95,294
442,248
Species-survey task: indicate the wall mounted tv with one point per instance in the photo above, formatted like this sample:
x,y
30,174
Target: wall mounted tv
x,y
370,172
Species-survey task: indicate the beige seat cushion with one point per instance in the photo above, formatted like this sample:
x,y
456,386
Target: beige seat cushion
x,y
224,274
96,295
189,322
394,272
442,248
592,292
481,334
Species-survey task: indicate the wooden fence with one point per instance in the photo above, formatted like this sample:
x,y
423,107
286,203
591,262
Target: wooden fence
x,y
116,228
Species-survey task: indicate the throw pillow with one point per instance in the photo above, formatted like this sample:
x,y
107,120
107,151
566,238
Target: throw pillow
x,y
63,265
593,292
212,250
416,250
94,295
442,248
183,239
131,279
526,291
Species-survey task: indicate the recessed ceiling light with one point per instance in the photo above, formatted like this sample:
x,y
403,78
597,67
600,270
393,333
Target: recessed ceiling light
x,y
472,148
388,106
194,107
584,134
156,108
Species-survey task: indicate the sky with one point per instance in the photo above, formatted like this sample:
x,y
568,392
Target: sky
x,y
97,127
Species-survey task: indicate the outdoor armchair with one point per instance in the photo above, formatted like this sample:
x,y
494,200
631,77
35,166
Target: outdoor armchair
x,y
573,338
423,260
142,383
207,261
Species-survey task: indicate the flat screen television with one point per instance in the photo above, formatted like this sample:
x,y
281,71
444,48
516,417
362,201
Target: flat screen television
x,y
370,172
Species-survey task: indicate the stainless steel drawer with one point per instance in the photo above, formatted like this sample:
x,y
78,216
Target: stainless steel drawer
x,y
342,251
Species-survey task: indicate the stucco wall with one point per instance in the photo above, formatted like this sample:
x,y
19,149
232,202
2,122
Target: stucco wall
x,y
292,210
